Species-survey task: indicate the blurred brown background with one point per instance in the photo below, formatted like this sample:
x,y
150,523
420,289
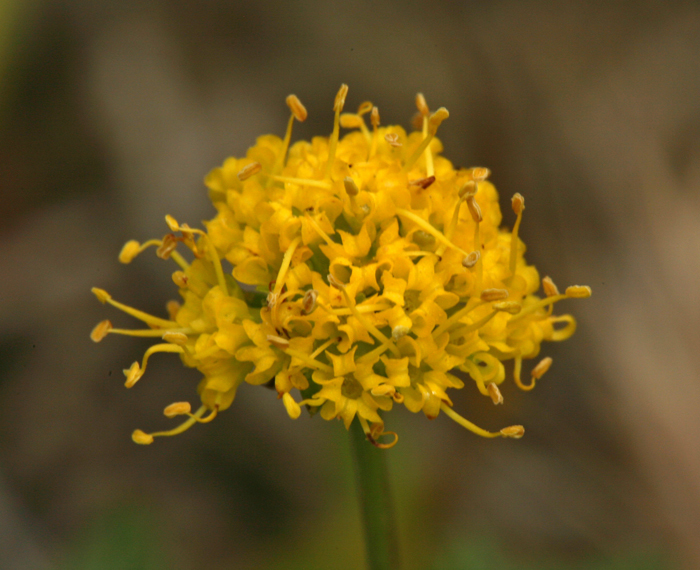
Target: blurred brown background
x,y
110,116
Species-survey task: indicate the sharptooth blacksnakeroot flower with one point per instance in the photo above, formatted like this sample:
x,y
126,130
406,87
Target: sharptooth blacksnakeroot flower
x,y
351,274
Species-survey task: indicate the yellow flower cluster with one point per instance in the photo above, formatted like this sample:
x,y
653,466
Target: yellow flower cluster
x,y
364,272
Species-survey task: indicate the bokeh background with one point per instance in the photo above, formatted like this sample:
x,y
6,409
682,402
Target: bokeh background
x,y
112,112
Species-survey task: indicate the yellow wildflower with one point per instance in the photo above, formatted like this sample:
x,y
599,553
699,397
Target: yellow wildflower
x,y
362,271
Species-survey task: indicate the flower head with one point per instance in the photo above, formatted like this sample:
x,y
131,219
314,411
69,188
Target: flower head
x,y
352,274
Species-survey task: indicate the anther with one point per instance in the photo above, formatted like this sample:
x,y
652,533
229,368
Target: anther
x,y
398,332
374,117
130,250
516,432
100,331
392,139
578,292
249,170
278,341
101,294
495,393
296,107
436,119
339,102
175,338
172,223
350,186
550,289
480,173
474,209
422,105
142,438
309,302
518,203
542,367
350,121
512,307
180,279
423,183
167,247
133,374
489,295
471,260
467,189
177,409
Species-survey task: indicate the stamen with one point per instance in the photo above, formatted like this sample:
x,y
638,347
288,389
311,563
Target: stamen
x,y
480,173
423,183
319,231
469,307
516,432
333,143
433,123
467,189
473,427
132,248
517,368
325,184
495,393
512,307
549,288
374,118
180,279
429,229
105,297
286,260
375,432
518,203
144,438
309,361
249,170
299,113
177,409
100,331
135,372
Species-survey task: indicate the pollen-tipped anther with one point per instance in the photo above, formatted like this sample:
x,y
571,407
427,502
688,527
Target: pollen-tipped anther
x,y
172,223
511,307
399,331
495,393
518,203
141,437
488,295
100,331
175,338
177,409
374,117
278,341
133,374
392,139
296,107
480,173
167,247
308,304
578,292
180,279
516,432
101,294
467,189
130,250
249,170
422,105
549,288
541,368
471,259
339,102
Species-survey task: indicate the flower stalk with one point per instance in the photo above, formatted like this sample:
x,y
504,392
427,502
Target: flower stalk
x,y
376,506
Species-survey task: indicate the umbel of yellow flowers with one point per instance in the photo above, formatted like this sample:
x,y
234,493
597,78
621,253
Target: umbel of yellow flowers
x,y
352,274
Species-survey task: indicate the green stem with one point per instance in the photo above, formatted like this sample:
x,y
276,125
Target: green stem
x,y
374,495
